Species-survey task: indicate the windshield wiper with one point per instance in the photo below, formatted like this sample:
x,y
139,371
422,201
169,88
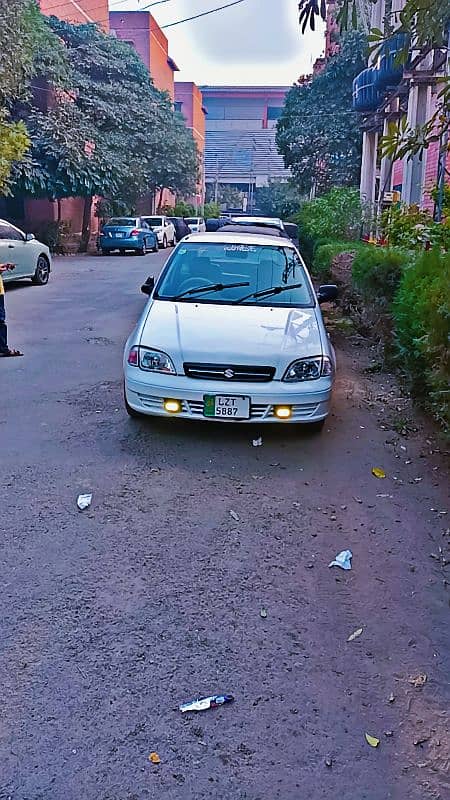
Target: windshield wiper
x,y
215,287
268,292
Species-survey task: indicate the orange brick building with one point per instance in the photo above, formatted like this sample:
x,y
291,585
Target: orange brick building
x,y
189,102
78,11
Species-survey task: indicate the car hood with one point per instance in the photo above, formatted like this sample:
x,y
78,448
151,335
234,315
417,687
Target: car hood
x,y
251,335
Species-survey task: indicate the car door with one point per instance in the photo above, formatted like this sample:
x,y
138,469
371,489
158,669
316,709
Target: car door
x,y
13,248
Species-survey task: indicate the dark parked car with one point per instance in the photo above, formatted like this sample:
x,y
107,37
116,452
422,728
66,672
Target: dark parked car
x,y
182,229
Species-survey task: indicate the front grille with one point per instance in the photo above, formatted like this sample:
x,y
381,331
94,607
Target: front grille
x,y
218,372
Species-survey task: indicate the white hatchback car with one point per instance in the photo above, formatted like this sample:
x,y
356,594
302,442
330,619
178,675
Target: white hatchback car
x,y
232,331
164,229
196,224
31,258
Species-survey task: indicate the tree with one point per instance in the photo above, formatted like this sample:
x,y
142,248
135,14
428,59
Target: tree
x,y
318,134
427,24
278,199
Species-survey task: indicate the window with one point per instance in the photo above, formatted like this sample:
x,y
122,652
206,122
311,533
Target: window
x,y
178,105
8,232
274,112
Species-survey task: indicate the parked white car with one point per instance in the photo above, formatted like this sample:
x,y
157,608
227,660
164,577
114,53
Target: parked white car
x,y
164,229
31,258
232,331
196,224
264,222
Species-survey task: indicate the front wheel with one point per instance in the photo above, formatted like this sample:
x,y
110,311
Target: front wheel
x,y
42,272
155,246
164,242
131,411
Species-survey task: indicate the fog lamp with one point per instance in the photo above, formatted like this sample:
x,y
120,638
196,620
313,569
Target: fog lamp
x,y
283,412
172,406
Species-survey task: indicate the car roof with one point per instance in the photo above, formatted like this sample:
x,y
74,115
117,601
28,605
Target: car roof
x,y
274,222
260,230
238,238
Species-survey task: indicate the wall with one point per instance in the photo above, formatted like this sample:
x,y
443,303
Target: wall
x,y
79,11
191,98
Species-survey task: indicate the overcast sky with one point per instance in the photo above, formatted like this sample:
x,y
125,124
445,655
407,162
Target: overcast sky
x,y
257,42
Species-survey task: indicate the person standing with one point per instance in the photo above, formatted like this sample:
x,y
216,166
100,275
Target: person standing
x,y
5,351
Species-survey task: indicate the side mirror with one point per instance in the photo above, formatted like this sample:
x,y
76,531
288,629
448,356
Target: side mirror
x,y
149,285
327,293
30,237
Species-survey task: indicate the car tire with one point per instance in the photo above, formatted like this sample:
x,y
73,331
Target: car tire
x,y
155,246
131,411
142,250
105,251
42,271
164,243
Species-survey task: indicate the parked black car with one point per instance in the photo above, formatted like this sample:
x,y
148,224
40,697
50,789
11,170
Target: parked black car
x,y
182,229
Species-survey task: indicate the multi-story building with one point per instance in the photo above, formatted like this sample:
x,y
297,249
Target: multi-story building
x,y
78,11
140,29
240,136
391,91
189,102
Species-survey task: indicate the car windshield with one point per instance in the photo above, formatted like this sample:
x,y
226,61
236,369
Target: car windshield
x,y
127,222
257,267
192,220
157,221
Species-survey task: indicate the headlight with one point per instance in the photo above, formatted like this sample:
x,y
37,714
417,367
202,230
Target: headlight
x,y
309,369
155,361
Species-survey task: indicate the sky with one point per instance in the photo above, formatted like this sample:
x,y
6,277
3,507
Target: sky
x,y
257,42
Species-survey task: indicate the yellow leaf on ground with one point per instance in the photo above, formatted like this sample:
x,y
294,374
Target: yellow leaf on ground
x,y
355,635
372,740
378,472
154,758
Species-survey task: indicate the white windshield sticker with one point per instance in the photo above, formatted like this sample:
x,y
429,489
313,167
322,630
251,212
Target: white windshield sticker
x,y
239,248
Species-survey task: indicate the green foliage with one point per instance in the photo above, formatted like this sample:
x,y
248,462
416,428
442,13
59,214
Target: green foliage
x,y
183,209
14,143
337,215
411,227
278,199
422,318
104,209
325,254
318,134
227,195
211,211
377,272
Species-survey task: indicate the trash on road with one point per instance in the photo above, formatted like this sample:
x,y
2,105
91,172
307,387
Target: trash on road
x,y
263,613
84,501
154,758
391,698
372,740
257,442
235,516
329,762
203,703
378,472
417,680
355,635
421,740
343,560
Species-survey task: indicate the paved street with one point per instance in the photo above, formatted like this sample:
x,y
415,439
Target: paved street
x,y
112,617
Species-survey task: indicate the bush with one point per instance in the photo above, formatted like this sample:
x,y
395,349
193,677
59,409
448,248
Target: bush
x,y
211,211
324,255
337,215
411,227
377,272
421,312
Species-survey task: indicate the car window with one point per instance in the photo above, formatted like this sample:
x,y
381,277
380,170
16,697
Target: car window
x,y
128,222
198,264
8,232
156,221
192,220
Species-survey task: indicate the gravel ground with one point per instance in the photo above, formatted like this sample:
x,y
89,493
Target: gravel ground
x,y
153,596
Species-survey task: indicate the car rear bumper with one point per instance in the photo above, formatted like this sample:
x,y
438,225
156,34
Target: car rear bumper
x,y
147,393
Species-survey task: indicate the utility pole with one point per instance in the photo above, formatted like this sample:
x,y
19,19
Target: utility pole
x,y
442,163
216,190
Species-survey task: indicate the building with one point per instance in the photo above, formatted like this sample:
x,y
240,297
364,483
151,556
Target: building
x,y
140,29
189,102
78,11
390,91
240,136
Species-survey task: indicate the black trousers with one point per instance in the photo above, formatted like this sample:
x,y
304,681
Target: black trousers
x,y
3,328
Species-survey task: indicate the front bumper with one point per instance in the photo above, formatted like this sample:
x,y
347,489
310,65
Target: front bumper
x,y
310,401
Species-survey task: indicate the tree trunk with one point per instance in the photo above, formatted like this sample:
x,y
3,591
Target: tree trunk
x,y
86,227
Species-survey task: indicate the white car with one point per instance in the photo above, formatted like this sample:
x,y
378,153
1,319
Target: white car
x,y
232,331
196,224
267,222
31,258
164,229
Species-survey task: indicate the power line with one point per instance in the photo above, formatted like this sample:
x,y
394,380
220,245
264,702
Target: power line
x,y
203,14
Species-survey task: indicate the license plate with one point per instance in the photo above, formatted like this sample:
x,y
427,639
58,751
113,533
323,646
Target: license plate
x,y
119,235
218,405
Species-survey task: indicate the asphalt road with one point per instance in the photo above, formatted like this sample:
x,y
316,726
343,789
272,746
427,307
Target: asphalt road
x,y
112,617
